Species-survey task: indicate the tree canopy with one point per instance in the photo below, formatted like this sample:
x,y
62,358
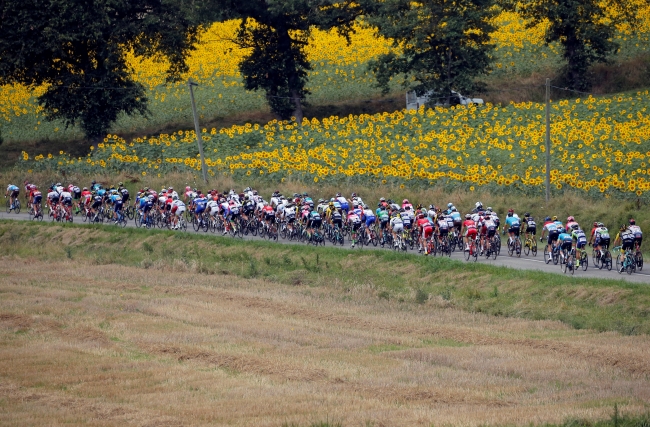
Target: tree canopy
x,y
77,49
585,30
276,33
445,44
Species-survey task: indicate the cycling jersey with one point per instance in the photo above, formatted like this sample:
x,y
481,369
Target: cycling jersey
x,y
580,238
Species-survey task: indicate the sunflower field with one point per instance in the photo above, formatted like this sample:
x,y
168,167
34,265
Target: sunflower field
x,y
599,145
339,73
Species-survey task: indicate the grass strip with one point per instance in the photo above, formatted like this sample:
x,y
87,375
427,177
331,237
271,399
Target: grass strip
x,y
600,304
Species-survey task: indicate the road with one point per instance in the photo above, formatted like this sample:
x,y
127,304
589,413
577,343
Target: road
x,y
523,263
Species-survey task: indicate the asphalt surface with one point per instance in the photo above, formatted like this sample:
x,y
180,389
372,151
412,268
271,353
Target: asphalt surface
x,y
521,263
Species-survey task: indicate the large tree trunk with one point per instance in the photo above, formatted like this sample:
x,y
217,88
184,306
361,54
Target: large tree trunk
x,y
297,113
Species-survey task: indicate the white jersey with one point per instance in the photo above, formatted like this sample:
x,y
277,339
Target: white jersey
x,y
396,221
290,211
181,204
342,200
52,195
65,195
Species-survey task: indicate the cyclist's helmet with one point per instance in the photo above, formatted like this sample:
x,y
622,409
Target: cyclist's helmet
x,y
431,207
169,189
548,218
622,227
600,224
247,189
188,188
479,205
305,194
254,192
382,199
296,195
453,209
510,212
94,182
570,218
449,205
121,183
58,184
26,182
320,200
527,215
575,226
175,198
421,215
632,221
554,218
195,190
353,195
405,201
85,189
338,194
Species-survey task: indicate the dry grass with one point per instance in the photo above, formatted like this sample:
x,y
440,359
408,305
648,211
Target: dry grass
x,y
129,346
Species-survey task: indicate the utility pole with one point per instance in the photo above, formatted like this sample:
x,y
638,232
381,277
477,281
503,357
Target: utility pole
x,y
199,140
548,140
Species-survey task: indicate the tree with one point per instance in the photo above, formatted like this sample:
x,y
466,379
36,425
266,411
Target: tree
x,y
77,48
585,30
276,32
444,44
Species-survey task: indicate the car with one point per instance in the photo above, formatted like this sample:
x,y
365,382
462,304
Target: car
x,y
413,102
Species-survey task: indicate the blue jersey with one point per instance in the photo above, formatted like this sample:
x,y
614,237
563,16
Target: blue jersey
x,y
565,237
200,202
101,192
13,188
456,216
512,221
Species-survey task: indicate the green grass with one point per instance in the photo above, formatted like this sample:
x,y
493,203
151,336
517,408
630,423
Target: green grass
x,y
603,305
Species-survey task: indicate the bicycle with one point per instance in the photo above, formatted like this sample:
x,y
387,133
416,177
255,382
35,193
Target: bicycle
x,y
473,250
569,261
629,261
530,246
15,207
514,246
121,219
35,213
606,261
638,256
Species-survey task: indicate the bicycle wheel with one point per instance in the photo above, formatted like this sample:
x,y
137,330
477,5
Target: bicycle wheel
x,y
639,260
565,267
618,265
17,206
556,256
8,205
533,247
468,253
630,265
584,260
511,247
527,245
608,260
518,247
475,251
493,250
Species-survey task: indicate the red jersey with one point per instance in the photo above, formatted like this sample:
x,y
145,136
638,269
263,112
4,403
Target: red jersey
x,y
423,222
469,223
268,210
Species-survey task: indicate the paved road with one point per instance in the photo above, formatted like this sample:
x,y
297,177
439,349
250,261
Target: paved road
x,y
523,263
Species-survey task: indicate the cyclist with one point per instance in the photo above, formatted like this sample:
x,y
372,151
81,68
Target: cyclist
x,y
488,229
396,225
314,221
579,241
97,202
384,219
200,202
425,231
626,239
565,241
468,230
345,206
513,224
178,207
442,228
457,218
551,229
118,204
355,222
638,235
531,226
35,198
370,219
12,192
570,221
601,238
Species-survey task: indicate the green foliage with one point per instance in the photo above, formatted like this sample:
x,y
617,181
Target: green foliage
x,y
275,34
445,43
584,29
78,49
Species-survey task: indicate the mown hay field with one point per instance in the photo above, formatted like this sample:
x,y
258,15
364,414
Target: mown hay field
x,y
167,346
338,74
91,337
